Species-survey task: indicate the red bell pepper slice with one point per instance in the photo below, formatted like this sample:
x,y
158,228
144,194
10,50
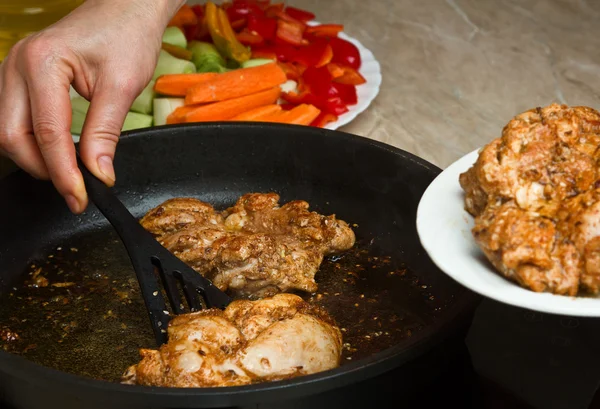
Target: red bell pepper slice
x,y
267,53
333,105
289,32
325,30
247,37
317,79
274,9
291,71
263,4
345,53
316,54
346,92
299,14
350,76
264,26
242,9
197,32
288,106
198,9
323,119
238,24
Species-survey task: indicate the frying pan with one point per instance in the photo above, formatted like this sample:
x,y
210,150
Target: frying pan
x,y
402,315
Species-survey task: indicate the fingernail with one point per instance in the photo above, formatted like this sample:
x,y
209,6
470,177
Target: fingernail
x,y
105,164
73,203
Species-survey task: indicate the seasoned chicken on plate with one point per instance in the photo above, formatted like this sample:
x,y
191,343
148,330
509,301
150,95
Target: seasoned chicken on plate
x,y
535,196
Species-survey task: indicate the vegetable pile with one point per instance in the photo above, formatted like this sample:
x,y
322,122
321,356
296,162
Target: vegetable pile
x,y
246,60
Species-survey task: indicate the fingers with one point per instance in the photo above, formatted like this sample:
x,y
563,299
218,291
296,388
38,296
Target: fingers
x,y
16,137
48,88
100,135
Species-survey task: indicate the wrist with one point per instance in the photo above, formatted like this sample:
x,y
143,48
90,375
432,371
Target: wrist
x,y
165,9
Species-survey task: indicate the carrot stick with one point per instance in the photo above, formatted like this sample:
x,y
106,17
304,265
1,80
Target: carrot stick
x,y
237,83
176,85
257,114
223,110
178,115
303,114
185,16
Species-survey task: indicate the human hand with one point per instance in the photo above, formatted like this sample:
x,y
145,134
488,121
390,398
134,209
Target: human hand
x,y
107,49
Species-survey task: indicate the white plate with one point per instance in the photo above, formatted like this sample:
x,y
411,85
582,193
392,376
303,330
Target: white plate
x,y
444,228
366,93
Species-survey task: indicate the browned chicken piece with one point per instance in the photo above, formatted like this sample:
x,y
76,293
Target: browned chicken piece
x,y
261,213
250,341
176,214
533,195
258,250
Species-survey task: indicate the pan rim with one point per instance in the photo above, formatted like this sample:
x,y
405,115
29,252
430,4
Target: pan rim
x,y
365,368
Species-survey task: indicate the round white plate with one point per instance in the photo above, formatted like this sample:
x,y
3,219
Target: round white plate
x,y
444,228
366,93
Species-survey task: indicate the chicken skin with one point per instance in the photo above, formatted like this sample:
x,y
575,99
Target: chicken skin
x,y
250,341
534,193
255,248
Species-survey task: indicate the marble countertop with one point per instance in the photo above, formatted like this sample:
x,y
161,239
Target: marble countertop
x,y
456,71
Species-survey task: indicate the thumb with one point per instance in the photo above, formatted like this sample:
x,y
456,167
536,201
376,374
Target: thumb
x,y
100,134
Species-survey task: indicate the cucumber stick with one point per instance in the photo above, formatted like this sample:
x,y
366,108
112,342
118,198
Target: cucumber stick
x,y
163,108
80,106
206,58
255,62
143,103
174,36
167,64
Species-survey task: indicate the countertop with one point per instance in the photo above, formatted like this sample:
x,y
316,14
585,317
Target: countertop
x,y
454,73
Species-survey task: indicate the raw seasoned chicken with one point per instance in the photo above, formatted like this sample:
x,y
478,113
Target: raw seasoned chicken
x,y
534,195
250,341
255,248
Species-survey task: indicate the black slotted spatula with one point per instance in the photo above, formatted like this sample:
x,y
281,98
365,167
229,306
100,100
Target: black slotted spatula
x,y
147,256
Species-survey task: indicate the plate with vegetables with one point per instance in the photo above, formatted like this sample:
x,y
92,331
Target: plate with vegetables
x,y
250,60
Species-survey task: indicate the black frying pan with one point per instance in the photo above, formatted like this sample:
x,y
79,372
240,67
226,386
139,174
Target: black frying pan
x,y
395,306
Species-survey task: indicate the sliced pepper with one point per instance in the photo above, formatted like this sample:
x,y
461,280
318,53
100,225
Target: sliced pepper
x,y
316,54
346,92
291,71
350,76
274,9
289,32
299,14
223,35
264,26
325,30
267,53
323,119
198,10
242,9
198,31
249,38
238,24
333,105
318,80
345,53
335,70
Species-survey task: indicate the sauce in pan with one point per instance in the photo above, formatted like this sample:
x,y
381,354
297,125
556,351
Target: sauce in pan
x,y
80,310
